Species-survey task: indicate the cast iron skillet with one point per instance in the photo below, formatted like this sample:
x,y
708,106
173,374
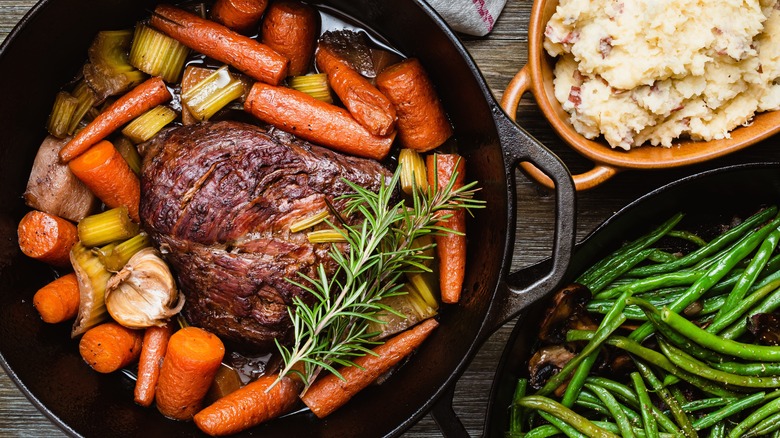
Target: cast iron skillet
x,y
706,197
45,51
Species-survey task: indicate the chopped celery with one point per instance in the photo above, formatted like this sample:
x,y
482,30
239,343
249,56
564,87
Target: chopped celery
x,y
325,236
109,226
92,277
115,256
426,286
212,94
309,222
127,149
109,72
149,123
413,172
61,113
315,85
86,100
157,54
408,309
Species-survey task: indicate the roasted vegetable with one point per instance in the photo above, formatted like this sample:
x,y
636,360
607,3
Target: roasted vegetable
x,y
93,277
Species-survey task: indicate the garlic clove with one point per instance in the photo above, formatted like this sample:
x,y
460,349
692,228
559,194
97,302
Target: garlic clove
x,y
143,293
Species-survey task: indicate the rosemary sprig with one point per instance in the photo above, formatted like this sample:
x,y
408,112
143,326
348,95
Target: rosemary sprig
x,y
334,329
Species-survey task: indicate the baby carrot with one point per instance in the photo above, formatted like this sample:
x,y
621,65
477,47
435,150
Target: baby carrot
x,y
47,238
451,247
313,120
248,406
152,352
191,361
58,301
132,104
239,15
291,28
217,41
103,170
329,393
108,347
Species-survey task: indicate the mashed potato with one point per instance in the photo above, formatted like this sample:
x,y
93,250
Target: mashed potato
x,y
650,71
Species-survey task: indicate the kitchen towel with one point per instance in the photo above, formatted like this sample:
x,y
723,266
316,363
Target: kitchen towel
x,y
473,17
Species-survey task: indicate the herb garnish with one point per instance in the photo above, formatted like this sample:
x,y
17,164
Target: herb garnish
x,y
335,328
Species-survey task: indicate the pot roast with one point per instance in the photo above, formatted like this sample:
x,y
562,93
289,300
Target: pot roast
x,y
219,199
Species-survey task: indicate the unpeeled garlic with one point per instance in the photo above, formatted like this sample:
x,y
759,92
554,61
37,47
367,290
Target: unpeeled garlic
x,y
143,293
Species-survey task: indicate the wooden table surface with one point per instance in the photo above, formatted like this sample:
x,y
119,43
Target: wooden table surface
x,y
499,56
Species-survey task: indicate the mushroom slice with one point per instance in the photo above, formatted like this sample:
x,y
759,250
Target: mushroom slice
x,y
547,362
566,311
143,293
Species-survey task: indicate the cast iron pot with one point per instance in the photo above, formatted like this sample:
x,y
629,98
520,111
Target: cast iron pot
x,y
45,51
709,197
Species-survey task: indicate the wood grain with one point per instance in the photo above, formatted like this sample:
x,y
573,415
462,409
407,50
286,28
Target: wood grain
x,y
499,56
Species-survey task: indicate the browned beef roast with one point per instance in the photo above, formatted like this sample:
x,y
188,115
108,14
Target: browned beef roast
x,y
219,198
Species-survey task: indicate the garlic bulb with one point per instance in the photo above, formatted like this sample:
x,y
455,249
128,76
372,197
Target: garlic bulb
x,y
144,292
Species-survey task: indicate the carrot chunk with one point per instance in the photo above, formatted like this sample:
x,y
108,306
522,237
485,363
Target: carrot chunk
x,y
451,247
47,238
58,301
152,352
329,393
109,347
248,406
103,170
291,28
239,15
191,361
132,104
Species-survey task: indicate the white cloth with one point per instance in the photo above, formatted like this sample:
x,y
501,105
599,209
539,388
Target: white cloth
x,y
473,17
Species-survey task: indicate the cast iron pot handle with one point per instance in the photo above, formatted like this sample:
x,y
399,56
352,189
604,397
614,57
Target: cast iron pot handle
x,y
512,297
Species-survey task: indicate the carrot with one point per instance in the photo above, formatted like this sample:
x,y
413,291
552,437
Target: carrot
x,y
47,238
314,120
132,104
217,41
422,123
191,361
58,301
152,353
290,28
329,393
248,406
367,105
103,170
109,347
238,15
450,248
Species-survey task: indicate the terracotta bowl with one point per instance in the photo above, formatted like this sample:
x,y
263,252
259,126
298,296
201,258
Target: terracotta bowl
x,y
537,77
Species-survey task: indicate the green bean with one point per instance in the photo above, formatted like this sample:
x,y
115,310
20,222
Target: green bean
x,y
713,275
706,403
754,268
544,431
515,413
625,393
694,366
579,422
647,284
548,430
713,342
727,411
659,256
722,321
564,427
614,408
768,305
591,399
760,369
611,322
765,427
665,295
578,379
711,248
646,406
718,431
687,235
612,427
604,264
599,408
682,419
755,417
618,269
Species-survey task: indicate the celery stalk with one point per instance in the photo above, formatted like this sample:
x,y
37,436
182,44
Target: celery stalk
x,y
61,113
413,172
212,94
92,277
86,100
157,54
127,149
149,123
115,256
109,226
315,85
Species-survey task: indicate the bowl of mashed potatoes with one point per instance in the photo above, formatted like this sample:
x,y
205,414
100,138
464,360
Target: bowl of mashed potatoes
x,y
648,84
